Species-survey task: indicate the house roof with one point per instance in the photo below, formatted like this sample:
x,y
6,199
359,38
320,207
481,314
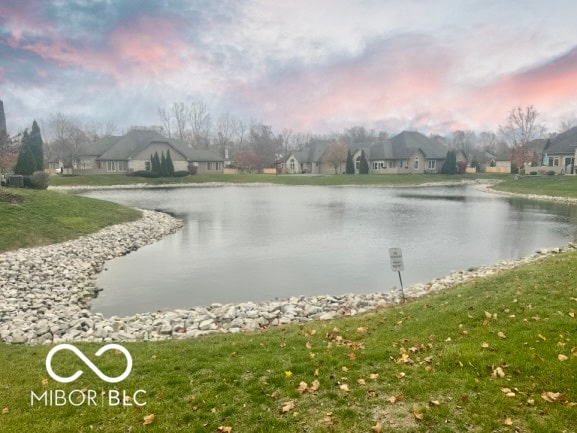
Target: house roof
x,y
135,141
312,152
564,143
403,145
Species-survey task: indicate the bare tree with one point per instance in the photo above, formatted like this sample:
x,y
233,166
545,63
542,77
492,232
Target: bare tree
x,y
200,123
521,126
567,124
180,114
241,130
165,122
336,155
226,129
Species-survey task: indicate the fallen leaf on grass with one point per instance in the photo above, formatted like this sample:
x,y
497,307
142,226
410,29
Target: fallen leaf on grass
x,y
149,419
551,397
373,376
288,373
44,382
508,392
5,411
400,375
377,428
501,335
308,345
418,415
498,372
287,407
345,388
224,429
542,338
562,357
434,403
314,386
328,419
508,421
361,382
362,329
303,386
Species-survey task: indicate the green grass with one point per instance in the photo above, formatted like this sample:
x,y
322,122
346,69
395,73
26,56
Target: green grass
x,y
31,218
559,186
451,344
326,180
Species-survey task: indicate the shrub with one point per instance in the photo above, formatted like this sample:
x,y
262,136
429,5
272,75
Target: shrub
x,y
144,173
181,173
39,180
551,173
533,173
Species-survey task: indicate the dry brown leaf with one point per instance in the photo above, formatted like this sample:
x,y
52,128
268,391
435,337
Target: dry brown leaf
x,y
362,329
551,397
434,403
377,428
149,419
485,345
418,415
508,421
224,429
345,369
373,376
400,375
314,386
488,315
44,382
328,419
275,395
361,381
287,407
308,345
303,386
345,388
498,372
5,411
501,335
542,338
562,357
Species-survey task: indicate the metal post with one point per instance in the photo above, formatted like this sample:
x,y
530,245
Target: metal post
x,y
402,289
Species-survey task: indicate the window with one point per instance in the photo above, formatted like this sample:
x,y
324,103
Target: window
x,y
358,163
292,165
416,162
432,164
554,161
391,164
147,166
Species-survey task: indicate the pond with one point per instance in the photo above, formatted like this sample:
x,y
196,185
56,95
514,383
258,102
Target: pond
x,y
255,243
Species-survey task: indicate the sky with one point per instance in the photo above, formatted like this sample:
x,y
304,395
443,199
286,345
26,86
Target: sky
x,y
311,66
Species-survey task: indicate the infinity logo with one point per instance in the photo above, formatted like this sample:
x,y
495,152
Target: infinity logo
x,y
88,363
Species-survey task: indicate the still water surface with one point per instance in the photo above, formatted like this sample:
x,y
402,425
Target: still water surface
x,y
254,243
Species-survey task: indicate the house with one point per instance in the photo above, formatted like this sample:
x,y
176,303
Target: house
x,y
407,152
560,154
500,162
133,151
309,160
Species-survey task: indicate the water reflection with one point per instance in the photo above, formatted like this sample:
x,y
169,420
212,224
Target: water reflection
x,y
256,243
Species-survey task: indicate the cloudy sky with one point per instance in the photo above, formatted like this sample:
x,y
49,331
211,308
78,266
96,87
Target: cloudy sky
x,y
308,65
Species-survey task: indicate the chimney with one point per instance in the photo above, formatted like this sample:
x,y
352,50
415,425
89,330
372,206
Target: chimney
x,y
3,130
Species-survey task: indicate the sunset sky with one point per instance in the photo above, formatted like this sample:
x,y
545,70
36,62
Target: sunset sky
x,y
308,65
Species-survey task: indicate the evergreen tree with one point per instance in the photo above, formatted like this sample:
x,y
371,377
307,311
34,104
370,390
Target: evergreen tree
x,y
169,164
36,145
163,168
155,164
26,164
450,164
350,165
364,165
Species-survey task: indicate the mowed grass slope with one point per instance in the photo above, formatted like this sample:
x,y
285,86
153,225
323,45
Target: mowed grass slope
x,y
559,186
495,355
31,218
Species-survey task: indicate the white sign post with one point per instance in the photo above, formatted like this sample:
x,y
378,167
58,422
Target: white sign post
x,y
397,265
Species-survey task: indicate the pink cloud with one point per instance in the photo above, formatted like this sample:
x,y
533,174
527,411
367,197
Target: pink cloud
x,y
390,81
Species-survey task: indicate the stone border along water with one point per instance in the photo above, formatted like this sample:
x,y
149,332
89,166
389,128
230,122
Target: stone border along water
x,y
45,293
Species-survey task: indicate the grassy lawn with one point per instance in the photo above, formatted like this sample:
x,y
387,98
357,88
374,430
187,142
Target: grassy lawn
x,y
495,355
562,186
31,218
326,180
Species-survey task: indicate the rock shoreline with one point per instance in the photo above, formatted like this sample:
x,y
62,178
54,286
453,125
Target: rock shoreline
x,y
45,293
